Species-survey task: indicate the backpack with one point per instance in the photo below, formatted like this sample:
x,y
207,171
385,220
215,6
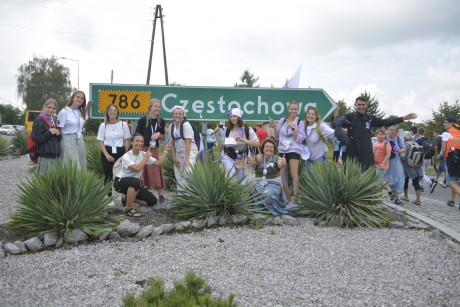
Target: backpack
x,y
392,144
428,148
196,134
31,145
414,155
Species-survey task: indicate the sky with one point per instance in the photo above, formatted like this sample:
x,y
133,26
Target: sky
x,y
405,53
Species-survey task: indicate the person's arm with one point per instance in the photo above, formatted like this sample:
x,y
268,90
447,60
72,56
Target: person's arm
x,y
219,141
188,147
387,156
281,163
140,166
253,141
173,152
273,124
104,151
40,133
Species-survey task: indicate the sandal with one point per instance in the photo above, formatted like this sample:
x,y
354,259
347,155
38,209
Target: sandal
x,y
132,213
451,203
404,198
416,203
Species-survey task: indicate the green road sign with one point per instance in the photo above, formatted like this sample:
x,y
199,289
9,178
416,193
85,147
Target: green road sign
x,y
207,103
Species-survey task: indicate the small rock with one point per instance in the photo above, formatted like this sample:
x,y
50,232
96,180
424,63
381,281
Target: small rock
x,y
91,275
453,246
306,221
115,236
437,235
141,283
222,221
50,239
396,225
178,227
269,220
198,224
260,218
2,253
128,228
221,240
289,220
104,235
145,231
34,244
186,224
12,249
21,245
212,221
167,228
277,221
240,219
156,232
74,236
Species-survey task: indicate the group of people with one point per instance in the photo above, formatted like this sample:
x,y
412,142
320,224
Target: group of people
x,y
273,160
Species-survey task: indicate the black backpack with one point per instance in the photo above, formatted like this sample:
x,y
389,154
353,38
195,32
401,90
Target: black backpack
x,y
196,134
428,148
229,150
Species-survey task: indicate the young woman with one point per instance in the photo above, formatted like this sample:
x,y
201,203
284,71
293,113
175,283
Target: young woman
x,y
128,179
152,127
396,170
451,149
290,133
70,123
184,149
235,147
113,137
316,134
268,167
47,136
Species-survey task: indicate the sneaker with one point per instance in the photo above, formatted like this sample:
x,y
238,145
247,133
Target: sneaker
x,y
292,206
399,202
111,204
422,190
433,185
443,185
450,203
161,199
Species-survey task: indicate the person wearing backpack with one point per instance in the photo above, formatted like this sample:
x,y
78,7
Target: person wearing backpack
x,y
152,127
359,131
235,148
396,171
290,132
428,153
316,134
46,136
451,149
413,161
184,149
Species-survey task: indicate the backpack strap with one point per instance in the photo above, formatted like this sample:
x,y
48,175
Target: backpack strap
x,y
46,121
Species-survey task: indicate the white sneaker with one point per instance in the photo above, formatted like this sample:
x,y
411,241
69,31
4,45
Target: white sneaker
x,y
292,206
111,204
443,184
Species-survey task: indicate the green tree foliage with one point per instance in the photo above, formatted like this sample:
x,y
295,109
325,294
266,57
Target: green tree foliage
x,y
373,105
437,121
11,114
191,292
346,196
248,79
43,78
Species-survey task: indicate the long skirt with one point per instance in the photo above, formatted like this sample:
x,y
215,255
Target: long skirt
x,y
273,195
396,175
180,173
152,175
44,164
73,149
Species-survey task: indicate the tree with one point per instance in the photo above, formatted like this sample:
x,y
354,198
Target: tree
x,y
11,114
372,105
43,78
439,116
248,80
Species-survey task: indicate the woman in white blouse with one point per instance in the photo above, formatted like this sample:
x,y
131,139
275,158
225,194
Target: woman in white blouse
x,y
316,134
70,122
128,178
184,149
113,138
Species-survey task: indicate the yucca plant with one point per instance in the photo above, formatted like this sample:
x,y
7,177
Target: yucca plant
x,y
93,155
212,192
4,146
344,195
60,200
19,144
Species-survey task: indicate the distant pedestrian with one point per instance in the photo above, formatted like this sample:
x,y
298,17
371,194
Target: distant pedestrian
x,y
261,133
411,172
396,171
441,167
211,141
451,149
422,140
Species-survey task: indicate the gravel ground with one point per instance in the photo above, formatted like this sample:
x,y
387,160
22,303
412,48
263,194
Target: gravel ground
x,y
273,266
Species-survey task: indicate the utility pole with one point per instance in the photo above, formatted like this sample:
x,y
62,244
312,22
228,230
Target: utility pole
x,y
111,76
158,14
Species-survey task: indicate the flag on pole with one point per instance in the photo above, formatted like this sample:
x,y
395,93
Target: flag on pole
x,y
294,81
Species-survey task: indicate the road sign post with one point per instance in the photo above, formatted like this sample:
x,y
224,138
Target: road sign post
x,y
207,103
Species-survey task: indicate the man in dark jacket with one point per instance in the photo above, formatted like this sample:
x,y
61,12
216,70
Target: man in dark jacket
x,y
359,132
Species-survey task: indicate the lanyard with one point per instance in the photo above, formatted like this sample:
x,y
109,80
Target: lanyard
x,y
77,117
151,126
113,134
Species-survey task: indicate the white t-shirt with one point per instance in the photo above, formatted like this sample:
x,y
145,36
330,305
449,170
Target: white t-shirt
x,y
113,134
179,142
70,121
445,137
129,159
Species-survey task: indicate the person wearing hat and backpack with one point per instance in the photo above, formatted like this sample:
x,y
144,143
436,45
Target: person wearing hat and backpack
x,y
451,149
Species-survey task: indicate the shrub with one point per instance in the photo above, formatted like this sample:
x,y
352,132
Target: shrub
x,y
93,155
62,199
212,192
191,292
19,144
4,146
344,195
